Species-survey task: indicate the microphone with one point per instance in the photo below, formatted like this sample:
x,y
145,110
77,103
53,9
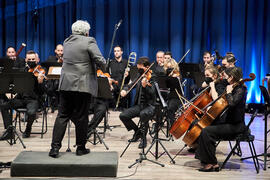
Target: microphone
x,y
119,23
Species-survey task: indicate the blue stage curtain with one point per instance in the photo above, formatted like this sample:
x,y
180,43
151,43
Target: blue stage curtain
x,y
242,27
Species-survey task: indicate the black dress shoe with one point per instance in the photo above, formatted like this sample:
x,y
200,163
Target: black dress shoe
x,y
54,152
142,144
211,169
136,137
26,134
81,150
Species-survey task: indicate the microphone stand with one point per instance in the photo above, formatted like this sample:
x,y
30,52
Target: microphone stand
x,y
113,37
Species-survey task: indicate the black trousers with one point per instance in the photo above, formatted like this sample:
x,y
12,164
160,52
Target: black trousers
x,y
206,151
5,111
100,108
31,106
73,106
144,112
173,105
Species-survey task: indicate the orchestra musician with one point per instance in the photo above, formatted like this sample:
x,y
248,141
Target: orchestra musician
x,y
76,86
18,61
157,68
144,104
29,100
117,67
53,84
98,107
234,122
58,57
207,59
173,83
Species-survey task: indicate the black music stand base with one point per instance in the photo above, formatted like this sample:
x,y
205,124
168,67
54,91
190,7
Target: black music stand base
x,y
14,136
100,140
143,157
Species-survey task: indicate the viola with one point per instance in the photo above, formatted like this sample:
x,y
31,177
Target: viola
x,y
38,70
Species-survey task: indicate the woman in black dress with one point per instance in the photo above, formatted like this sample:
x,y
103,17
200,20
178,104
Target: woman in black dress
x,y
234,122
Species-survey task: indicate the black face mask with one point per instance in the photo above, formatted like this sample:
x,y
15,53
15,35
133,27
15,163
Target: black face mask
x,y
32,64
208,80
141,71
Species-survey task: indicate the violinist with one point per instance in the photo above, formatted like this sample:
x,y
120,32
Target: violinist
x,y
59,50
31,100
116,69
98,106
144,104
173,83
53,94
234,122
157,68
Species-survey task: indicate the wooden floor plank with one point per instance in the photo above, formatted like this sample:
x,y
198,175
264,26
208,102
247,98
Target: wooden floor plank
x,y
185,168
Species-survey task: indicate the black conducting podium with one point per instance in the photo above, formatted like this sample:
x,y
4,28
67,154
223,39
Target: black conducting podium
x,y
14,81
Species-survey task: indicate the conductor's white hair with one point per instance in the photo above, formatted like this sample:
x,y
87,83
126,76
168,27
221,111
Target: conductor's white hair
x,y
80,27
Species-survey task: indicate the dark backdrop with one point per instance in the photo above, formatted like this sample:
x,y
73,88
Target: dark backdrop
x,y
240,26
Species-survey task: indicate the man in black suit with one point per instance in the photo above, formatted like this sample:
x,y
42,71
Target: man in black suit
x,y
59,50
53,84
144,105
78,82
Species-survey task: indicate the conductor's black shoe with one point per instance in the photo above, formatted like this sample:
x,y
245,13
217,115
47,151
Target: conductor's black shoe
x,y
81,150
54,152
136,137
142,144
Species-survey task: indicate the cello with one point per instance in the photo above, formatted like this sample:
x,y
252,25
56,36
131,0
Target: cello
x,y
217,108
183,122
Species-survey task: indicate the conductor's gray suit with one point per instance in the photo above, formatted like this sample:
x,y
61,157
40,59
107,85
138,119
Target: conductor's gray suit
x,y
78,82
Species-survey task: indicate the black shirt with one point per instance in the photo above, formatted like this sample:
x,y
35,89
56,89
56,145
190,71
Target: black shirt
x,y
117,69
236,101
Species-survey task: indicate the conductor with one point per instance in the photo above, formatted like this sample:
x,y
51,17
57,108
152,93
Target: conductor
x,y
77,84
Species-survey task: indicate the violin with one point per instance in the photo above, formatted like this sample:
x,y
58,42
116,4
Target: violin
x,y
38,70
147,77
100,73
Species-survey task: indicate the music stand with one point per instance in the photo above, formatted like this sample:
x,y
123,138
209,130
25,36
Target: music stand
x,y
15,82
105,93
193,71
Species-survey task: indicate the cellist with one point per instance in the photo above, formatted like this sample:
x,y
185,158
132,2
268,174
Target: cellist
x,y
233,125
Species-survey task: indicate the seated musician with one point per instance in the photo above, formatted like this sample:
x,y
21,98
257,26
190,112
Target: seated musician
x,y
53,84
31,100
116,68
157,68
99,106
234,122
173,83
144,105
18,61
58,57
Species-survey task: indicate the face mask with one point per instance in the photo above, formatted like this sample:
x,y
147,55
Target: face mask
x,y
32,64
208,80
141,71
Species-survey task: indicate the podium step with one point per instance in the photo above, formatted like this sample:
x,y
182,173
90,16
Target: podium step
x,y
39,164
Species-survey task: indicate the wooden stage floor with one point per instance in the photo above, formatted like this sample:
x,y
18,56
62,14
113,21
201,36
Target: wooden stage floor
x,y
185,168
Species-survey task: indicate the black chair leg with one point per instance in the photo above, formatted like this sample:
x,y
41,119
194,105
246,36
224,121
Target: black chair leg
x,y
229,155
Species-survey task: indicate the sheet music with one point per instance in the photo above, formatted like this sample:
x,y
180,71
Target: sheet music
x,y
56,71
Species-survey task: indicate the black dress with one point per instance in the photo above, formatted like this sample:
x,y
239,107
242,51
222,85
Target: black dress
x,y
234,125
